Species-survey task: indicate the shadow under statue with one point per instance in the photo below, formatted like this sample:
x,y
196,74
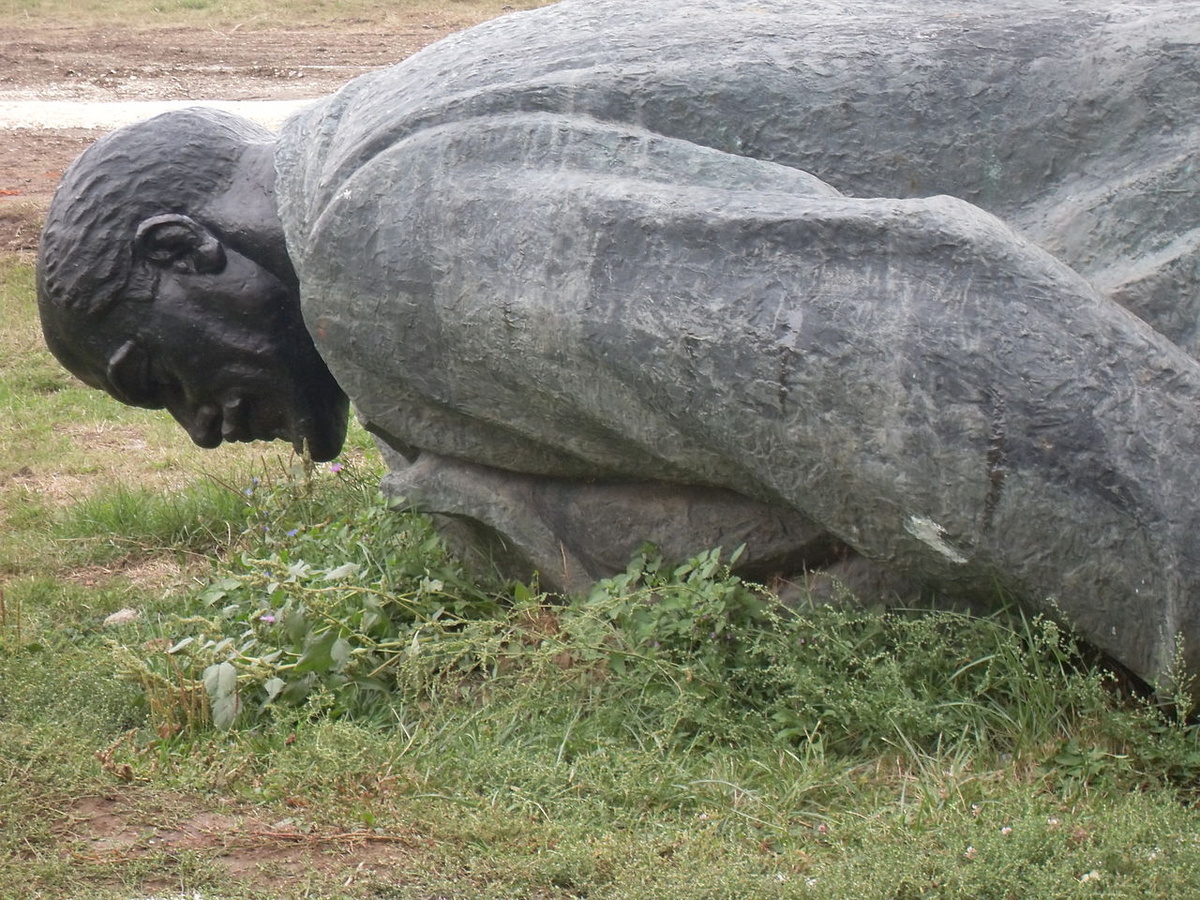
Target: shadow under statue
x,y
917,279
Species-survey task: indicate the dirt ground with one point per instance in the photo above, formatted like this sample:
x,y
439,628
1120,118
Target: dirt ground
x,y
128,826
69,63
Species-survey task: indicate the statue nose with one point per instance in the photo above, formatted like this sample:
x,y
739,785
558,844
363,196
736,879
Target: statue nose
x,y
202,423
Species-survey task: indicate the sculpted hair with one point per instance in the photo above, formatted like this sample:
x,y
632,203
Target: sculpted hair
x,y
173,163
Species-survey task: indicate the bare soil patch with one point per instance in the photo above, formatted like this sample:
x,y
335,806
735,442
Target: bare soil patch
x,y
122,64
125,826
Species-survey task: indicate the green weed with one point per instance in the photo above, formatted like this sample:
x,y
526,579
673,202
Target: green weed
x,y
364,615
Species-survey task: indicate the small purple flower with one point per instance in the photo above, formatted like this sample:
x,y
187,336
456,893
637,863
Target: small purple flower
x,y
293,532
268,618
336,467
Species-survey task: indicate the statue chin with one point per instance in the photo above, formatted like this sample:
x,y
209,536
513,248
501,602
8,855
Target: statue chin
x,y
324,435
321,447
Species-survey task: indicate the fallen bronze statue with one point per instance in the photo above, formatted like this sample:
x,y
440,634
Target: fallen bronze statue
x,y
916,279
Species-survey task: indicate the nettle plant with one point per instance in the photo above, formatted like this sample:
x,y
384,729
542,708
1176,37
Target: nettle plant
x,y
732,661
362,613
311,608
328,613
339,606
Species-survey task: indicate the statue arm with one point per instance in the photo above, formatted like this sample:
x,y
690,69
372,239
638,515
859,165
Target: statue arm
x,y
910,374
560,296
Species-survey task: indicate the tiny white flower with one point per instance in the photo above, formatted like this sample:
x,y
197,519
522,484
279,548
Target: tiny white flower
x,y
1090,876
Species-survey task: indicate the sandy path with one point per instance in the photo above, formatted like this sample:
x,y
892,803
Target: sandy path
x,y
43,114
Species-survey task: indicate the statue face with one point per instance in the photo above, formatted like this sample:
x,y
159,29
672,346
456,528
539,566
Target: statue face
x,y
221,345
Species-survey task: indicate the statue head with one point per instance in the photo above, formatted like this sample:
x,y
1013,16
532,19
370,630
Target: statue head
x,y
164,279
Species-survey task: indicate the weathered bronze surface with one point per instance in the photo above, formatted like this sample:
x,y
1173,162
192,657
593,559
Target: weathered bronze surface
x,y
917,278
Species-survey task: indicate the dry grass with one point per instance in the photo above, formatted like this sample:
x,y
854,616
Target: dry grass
x,y
21,223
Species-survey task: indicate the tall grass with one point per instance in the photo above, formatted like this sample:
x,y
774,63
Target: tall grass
x,y
129,521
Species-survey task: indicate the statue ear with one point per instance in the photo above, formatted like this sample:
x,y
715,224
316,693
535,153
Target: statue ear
x,y
180,243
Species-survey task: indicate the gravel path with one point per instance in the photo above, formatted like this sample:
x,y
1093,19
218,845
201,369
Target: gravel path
x,y
43,114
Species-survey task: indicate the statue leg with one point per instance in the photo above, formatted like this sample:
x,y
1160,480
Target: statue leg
x,y
570,532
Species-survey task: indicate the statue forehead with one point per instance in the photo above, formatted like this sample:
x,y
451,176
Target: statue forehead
x,y
169,163
174,163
